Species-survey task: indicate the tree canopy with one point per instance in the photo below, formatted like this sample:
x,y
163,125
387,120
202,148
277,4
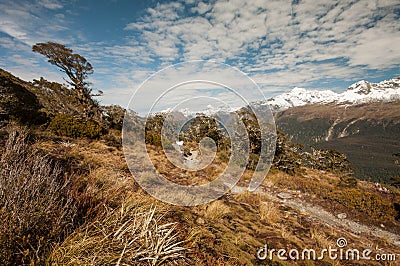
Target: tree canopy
x,y
75,66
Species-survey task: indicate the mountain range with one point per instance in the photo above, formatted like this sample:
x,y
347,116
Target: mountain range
x,y
363,122
358,93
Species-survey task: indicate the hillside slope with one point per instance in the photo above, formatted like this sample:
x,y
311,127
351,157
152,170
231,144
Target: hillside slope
x,y
18,102
19,98
369,134
230,230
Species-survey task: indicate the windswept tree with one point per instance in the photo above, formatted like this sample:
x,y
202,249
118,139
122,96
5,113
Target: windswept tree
x,y
75,66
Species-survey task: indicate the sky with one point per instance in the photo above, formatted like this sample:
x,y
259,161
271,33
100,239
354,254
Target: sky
x,y
279,44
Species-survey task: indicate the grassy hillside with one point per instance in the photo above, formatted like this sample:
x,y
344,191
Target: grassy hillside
x,y
228,231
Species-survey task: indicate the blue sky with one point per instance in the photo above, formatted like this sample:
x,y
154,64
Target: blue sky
x,y
279,44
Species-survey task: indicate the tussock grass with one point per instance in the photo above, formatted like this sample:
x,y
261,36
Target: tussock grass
x,y
129,235
269,212
216,210
38,206
248,197
127,231
321,238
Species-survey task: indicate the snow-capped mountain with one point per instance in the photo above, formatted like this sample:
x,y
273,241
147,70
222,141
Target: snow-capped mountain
x,y
299,97
209,111
360,92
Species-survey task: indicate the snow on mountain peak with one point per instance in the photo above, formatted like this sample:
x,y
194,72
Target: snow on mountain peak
x,y
361,87
359,92
363,91
300,96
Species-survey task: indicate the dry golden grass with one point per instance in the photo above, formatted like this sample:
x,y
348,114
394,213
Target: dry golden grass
x,y
216,210
226,232
286,232
247,197
321,238
129,235
269,212
39,202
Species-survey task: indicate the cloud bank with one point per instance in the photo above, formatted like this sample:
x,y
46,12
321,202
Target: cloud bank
x,y
280,44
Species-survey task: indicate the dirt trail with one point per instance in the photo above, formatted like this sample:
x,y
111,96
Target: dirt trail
x,y
294,200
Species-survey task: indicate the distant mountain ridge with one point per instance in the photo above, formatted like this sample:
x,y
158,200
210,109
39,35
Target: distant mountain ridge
x,y
358,93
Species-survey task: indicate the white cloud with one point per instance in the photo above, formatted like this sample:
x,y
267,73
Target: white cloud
x,y
50,4
201,8
278,43
308,31
29,23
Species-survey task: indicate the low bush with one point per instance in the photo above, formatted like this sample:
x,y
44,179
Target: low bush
x,y
65,125
113,139
348,181
114,116
365,202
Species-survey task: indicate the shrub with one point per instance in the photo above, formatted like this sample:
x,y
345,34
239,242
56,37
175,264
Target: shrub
x,y
18,103
348,181
288,157
224,156
37,206
395,181
153,129
200,127
365,202
113,138
330,160
69,126
253,161
114,116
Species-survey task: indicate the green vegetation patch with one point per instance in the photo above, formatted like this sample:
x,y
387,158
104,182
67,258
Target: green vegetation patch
x,y
65,125
366,202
